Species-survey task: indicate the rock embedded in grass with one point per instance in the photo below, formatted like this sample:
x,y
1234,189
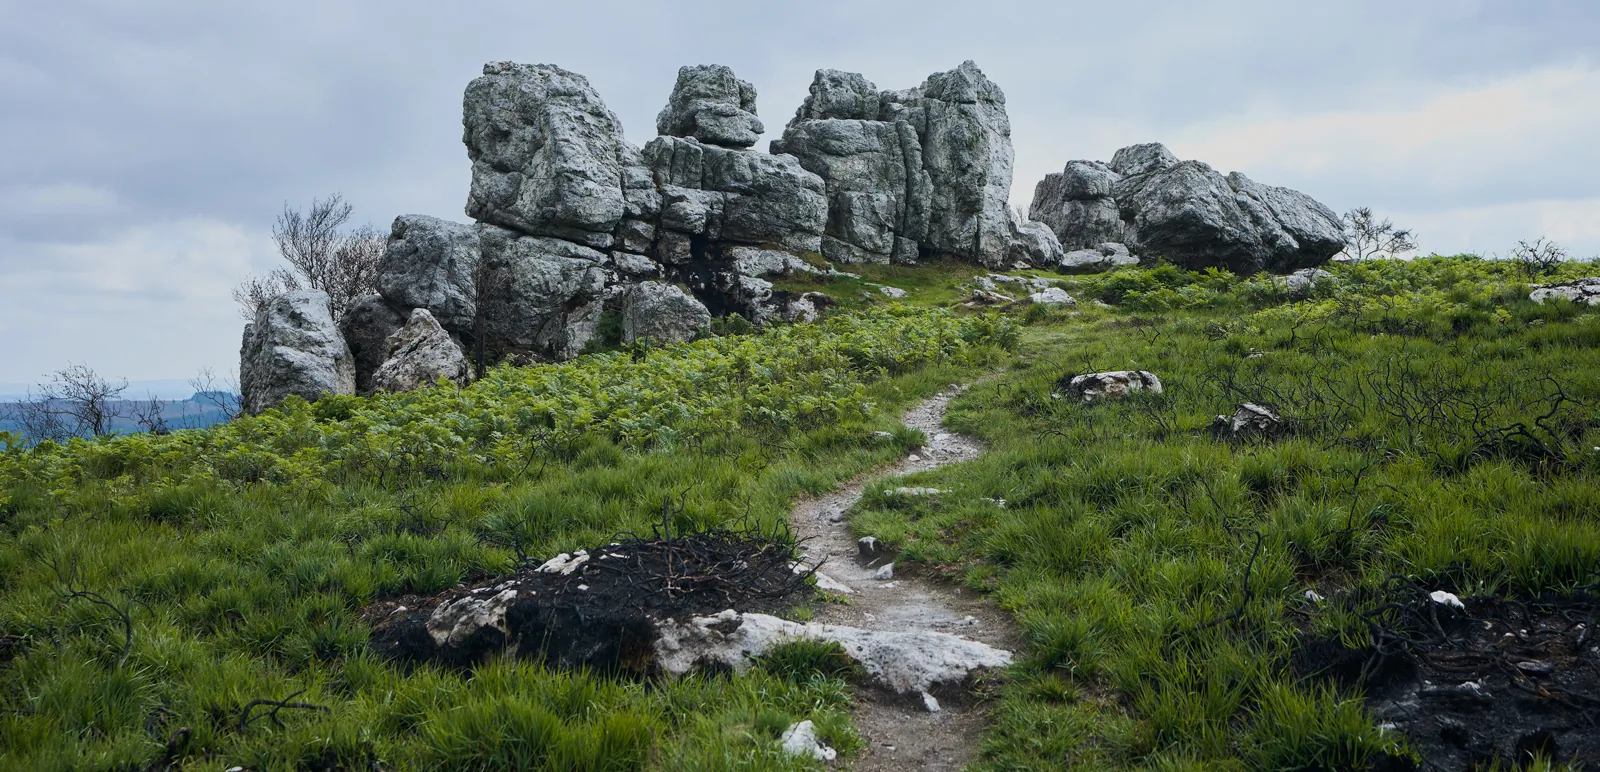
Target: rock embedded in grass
x,y
1579,291
1109,385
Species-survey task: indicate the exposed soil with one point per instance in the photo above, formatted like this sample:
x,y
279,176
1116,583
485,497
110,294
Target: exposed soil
x,y
901,734
1499,681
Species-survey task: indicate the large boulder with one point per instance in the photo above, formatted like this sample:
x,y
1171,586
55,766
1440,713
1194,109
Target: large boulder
x,y
549,159
432,263
961,123
877,190
542,296
663,313
366,327
735,197
1187,213
1034,244
712,105
293,347
1077,205
419,355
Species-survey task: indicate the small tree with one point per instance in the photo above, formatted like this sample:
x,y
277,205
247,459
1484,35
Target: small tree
x,y
220,393
1371,238
1539,257
321,254
75,402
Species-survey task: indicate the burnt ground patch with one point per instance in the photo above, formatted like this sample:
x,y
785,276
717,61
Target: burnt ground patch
x,y
1498,681
592,609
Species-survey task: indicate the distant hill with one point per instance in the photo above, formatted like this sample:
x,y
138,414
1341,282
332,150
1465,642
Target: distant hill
x,y
199,410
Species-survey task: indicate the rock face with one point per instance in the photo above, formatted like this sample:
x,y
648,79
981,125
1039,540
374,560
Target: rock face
x,y
915,173
542,296
662,312
1187,213
293,347
712,105
432,263
548,157
419,355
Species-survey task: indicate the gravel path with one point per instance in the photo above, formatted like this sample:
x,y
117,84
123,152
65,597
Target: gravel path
x,y
902,734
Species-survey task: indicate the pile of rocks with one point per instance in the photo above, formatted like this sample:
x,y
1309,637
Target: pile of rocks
x,y
1147,202
573,222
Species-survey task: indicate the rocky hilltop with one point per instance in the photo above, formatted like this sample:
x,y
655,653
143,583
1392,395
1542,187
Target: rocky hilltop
x,y
572,222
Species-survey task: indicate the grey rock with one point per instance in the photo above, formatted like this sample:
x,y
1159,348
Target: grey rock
x,y
548,157
1142,159
892,292
877,190
634,266
1077,205
432,263
1316,232
543,296
800,739
1103,257
1110,385
1034,244
737,196
904,662
868,547
419,355
965,135
1298,285
839,95
293,347
1249,420
1579,291
1054,296
712,105
1184,212
756,261
663,313
366,328
884,573
991,298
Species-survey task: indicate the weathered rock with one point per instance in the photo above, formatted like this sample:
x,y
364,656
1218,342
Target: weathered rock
x,y
542,296
906,663
432,263
1249,420
1077,205
735,196
293,347
961,124
1109,385
548,157
1054,296
1185,212
366,327
1578,291
877,188
1142,159
419,355
758,262
663,313
1298,285
1034,244
800,739
712,105
1103,257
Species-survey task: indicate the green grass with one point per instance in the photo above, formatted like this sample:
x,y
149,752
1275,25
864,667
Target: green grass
x,y
1444,430
1158,573
240,555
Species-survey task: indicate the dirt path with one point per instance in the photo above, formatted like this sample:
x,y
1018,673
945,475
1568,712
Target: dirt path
x,y
901,734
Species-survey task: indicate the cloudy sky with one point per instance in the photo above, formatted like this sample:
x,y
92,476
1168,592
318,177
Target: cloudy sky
x,y
145,147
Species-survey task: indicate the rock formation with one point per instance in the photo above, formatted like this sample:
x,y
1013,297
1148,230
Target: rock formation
x,y
419,355
573,222
293,347
1186,212
916,173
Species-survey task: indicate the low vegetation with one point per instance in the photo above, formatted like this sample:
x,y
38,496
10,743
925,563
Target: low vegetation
x,y
189,600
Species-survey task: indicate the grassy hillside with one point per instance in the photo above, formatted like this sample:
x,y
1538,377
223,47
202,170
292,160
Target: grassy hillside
x,y
1441,429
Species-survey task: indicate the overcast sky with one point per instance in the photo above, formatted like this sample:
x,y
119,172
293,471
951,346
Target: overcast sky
x,y
145,147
